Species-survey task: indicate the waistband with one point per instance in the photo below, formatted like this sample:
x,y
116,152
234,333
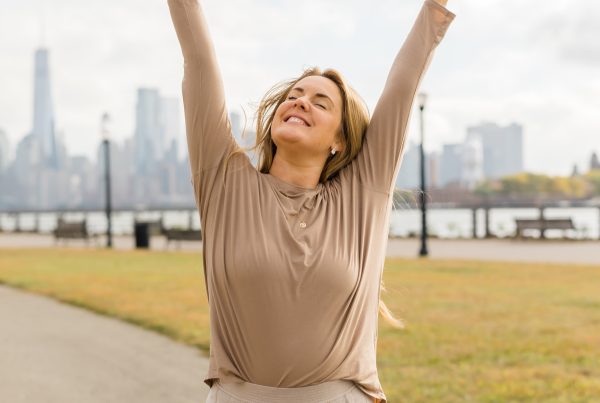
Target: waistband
x,y
305,394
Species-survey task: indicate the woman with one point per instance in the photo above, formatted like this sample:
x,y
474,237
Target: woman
x,y
293,252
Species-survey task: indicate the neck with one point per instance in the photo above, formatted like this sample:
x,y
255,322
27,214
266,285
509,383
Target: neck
x,y
306,176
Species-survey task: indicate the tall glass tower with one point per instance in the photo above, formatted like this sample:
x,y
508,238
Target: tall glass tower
x,y
43,111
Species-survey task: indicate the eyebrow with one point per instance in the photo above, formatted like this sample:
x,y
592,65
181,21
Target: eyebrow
x,y
318,94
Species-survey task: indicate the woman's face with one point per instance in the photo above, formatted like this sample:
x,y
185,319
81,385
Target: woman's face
x,y
309,119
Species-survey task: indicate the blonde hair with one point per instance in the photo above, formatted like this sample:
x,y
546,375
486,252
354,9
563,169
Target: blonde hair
x,y
355,120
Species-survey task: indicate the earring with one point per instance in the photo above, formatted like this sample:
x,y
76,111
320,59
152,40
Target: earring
x,y
333,151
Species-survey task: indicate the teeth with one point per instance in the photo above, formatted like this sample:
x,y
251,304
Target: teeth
x,y
295,119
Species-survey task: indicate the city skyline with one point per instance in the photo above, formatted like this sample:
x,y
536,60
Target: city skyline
x,y
148,166
145,167
466,87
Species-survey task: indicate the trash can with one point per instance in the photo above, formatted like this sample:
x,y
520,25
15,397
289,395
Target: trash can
x,y
142,235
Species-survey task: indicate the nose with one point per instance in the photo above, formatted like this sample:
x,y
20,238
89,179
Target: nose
x,y
301,103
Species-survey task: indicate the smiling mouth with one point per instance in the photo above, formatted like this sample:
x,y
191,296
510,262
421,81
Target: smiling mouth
x,y
296,121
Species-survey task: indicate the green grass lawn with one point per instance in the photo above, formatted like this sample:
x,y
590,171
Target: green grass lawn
x,y
476,331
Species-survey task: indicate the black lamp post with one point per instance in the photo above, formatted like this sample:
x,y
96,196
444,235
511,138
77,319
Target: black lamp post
x,y
108,206
422,97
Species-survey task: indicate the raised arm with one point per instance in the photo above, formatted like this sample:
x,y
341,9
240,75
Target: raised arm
x,y
207,124
378,162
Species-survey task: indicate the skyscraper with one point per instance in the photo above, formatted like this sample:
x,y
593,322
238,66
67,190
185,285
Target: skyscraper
x,y
472,162
451,164
26,165
502,148
170,124
43,111
594,162
148,131
4,151
157,129
409,174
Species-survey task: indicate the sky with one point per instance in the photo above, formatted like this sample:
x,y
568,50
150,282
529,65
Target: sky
x,y
530,62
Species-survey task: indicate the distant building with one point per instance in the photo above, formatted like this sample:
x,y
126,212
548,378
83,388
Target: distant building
x,y
146,170
4,151
432,170
451,164
594,163
26,167
409,174
472,163
157,129
148,135
157,177
53,189
43,111
39,178
6,179
82,183
170,123
122,174
502,148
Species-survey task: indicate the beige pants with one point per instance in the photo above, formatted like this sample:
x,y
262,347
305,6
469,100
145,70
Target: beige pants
x,y
339,391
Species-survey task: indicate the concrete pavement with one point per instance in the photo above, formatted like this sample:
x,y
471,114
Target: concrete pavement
x,y
530,250
55,353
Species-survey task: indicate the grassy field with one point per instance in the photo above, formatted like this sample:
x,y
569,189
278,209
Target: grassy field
x,y
476,331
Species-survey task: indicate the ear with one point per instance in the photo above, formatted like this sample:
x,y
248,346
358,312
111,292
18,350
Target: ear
x,y
339,144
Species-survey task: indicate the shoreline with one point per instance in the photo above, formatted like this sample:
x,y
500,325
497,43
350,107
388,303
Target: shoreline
x,y
491,249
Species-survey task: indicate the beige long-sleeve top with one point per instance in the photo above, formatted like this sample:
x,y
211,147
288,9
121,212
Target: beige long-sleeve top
x,y
293,274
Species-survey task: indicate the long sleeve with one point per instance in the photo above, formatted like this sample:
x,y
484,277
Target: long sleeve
x,y
208,129
378,162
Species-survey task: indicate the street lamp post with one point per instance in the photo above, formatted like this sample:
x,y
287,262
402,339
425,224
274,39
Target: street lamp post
x,y
423,252
108,206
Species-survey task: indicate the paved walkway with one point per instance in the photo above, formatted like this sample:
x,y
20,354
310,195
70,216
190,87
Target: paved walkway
x,y
55,353
531,250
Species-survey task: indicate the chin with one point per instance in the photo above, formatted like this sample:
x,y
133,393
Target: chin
x,y
287,134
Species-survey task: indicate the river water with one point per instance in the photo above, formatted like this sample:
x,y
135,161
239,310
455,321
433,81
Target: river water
x,y
444,223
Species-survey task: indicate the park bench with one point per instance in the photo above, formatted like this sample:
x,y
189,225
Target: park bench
x,y
175,234
73,230
157,227
523,224
178,234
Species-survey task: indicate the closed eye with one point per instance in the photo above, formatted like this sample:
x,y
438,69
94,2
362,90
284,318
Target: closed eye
x,y
319,105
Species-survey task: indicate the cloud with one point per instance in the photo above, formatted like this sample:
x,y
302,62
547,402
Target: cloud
x,y
572,33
